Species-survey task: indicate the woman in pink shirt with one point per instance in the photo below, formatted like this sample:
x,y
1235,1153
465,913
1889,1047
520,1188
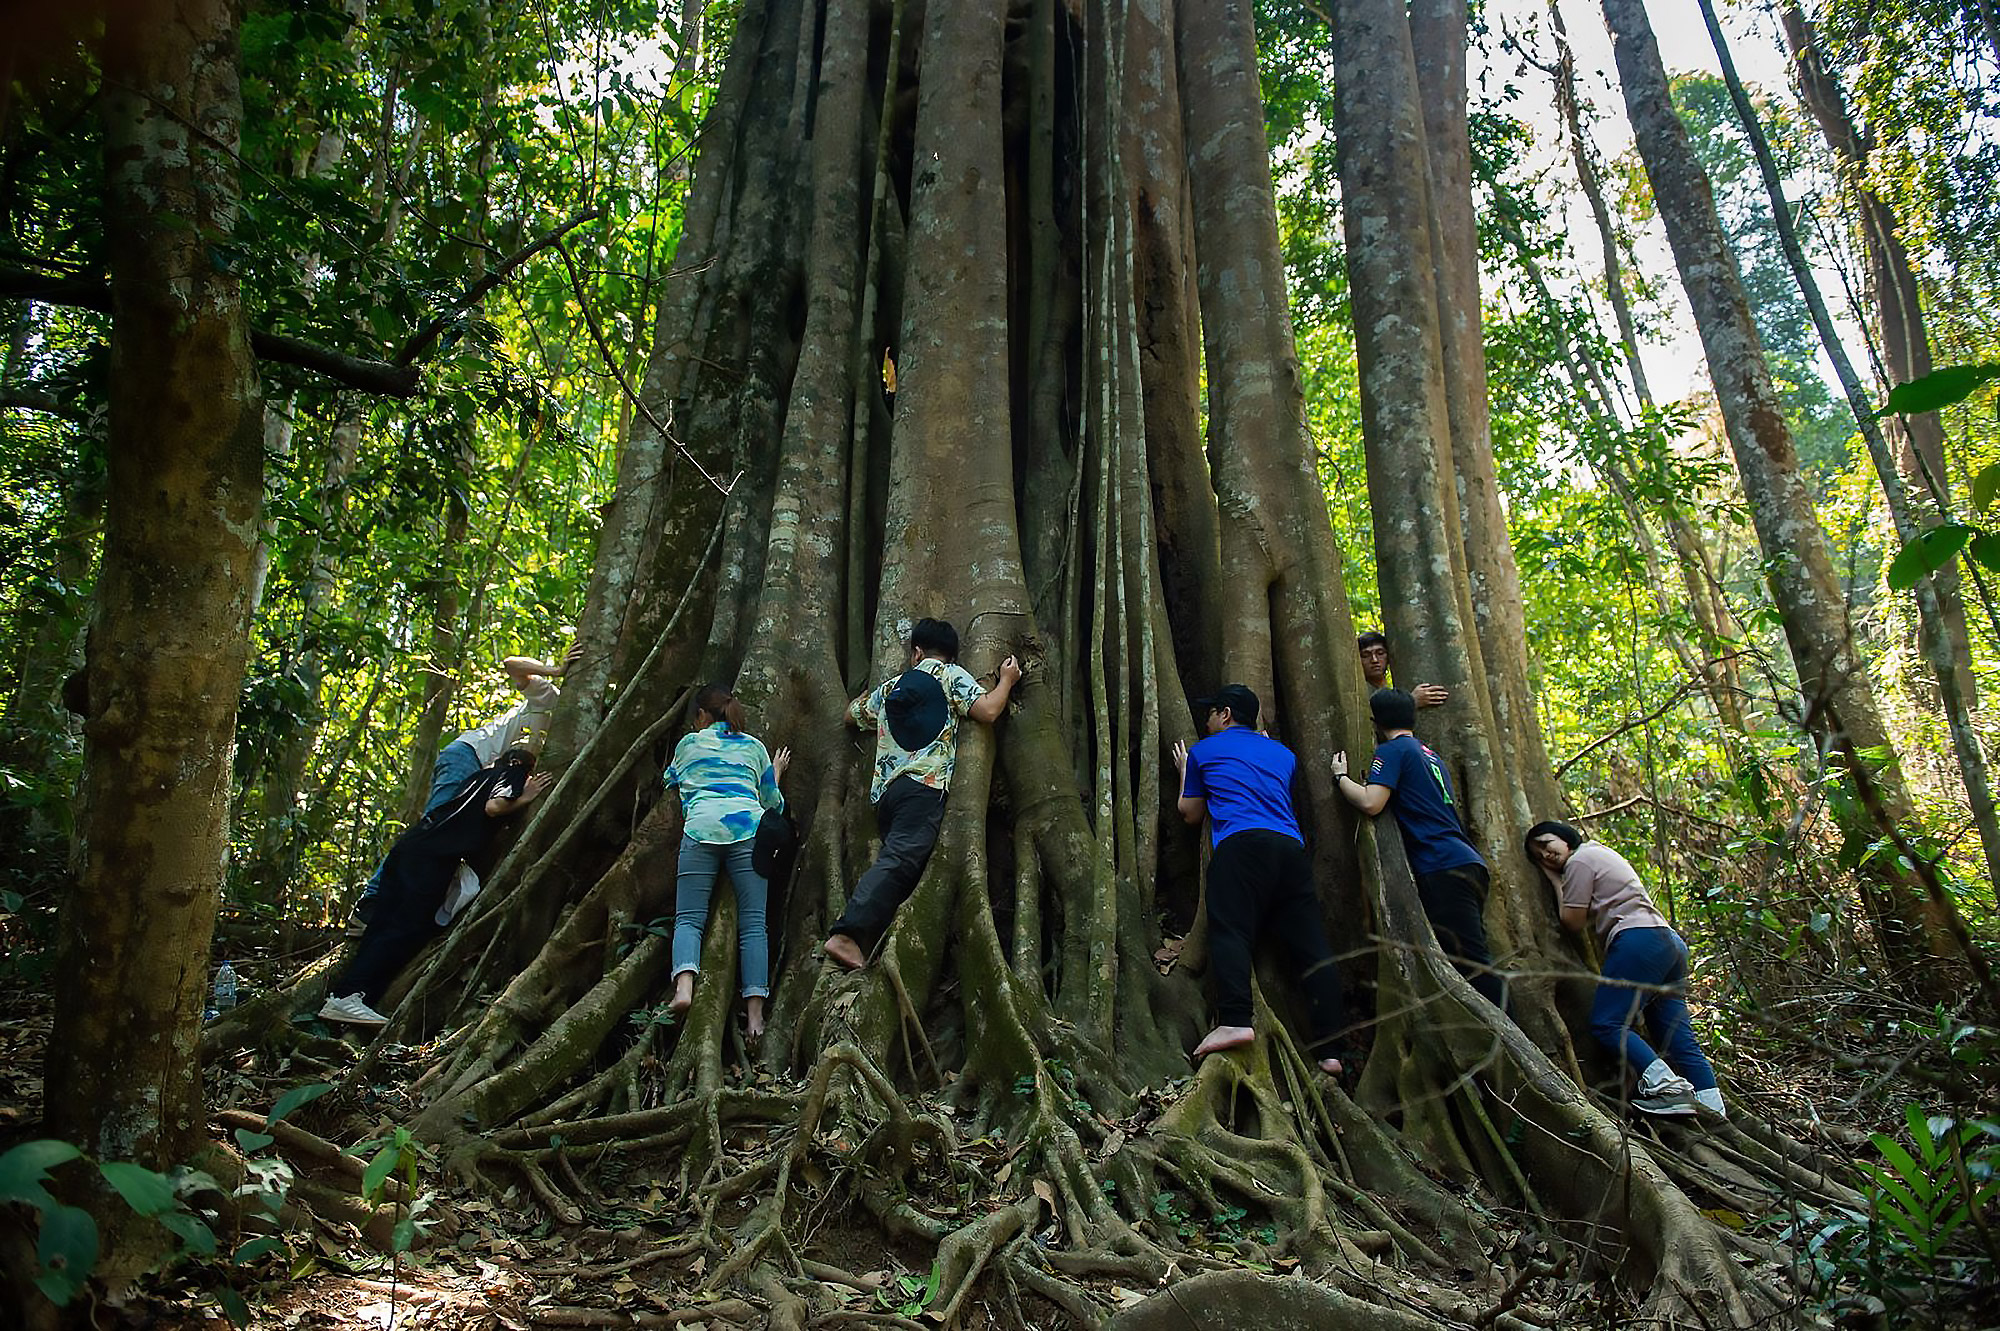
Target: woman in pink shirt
x,y
1645,970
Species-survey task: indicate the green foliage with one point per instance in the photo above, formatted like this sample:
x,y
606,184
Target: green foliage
x,y
1939,389
1927,1234
1936,546
397,1153
908,1295
1931,1184
67,1242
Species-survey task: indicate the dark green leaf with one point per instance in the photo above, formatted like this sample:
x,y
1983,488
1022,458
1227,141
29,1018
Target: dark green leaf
x,y
378,1170
191,1230
253,1141
144,1191
233,1306
23,1169
1927,553
67,1250
1939,388
1985,550
256,1248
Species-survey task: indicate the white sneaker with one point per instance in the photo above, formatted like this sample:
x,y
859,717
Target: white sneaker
x,y
351,1010
1711,1100
1659,1079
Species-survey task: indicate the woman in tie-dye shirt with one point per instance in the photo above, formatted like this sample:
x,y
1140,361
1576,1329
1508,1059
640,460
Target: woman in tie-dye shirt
x,y
726,780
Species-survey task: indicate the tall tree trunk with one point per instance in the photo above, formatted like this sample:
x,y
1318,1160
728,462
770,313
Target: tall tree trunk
x,y
1900,326
1939,609
1170,342
1706,601
274,860
1507,776
169,634
1917,924
1892,281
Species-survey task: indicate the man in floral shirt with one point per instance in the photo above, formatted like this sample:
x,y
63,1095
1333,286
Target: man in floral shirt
x,y
915,719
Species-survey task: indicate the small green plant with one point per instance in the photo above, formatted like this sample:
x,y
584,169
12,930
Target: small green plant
x,y
1925,1193
68,1244
908,1295
1168,1206
1927,1232
398,1153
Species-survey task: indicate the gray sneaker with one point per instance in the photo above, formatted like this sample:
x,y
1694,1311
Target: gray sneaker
x,y
351,1010
1668,1103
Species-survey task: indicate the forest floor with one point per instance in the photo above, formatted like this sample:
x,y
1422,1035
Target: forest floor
x,y
499,1261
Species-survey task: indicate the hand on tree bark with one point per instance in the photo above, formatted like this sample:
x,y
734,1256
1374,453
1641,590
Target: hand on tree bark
x,y
1431,695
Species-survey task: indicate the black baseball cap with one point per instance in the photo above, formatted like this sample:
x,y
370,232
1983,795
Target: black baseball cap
x,y
1238,698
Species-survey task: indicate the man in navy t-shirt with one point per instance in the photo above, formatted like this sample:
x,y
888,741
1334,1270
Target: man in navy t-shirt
x,y
1259,876
1451,877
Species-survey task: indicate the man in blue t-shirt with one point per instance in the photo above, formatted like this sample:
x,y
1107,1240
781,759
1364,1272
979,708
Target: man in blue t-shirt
x,y
1451,877
1259,876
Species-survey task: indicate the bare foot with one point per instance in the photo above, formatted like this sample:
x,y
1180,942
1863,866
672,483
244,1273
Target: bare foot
x,y
683,998
1224,1037
753,1016
845,951
1330,1066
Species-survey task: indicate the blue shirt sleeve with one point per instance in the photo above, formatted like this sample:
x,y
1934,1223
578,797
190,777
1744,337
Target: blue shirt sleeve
x,y
1194,787
672,777
1386,768
768,793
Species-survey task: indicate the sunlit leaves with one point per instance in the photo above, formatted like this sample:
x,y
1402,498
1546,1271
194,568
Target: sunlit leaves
x,y
1929,551
1940,389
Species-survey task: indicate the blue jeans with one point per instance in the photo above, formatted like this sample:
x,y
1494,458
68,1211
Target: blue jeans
x,y
1655,957
456,765
699,862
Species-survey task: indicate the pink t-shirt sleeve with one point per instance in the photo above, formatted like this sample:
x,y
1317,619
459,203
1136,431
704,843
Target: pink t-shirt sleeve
x,y
1604,882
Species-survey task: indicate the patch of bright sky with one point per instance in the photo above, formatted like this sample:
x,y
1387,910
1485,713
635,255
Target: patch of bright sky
x,y
1674,364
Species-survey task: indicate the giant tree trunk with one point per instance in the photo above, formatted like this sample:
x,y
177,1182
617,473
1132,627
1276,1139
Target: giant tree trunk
x,y
168,638
876,175
1917,924
1508,781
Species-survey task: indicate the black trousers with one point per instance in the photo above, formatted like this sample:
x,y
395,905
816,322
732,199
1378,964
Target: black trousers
x,y
1455,901
908,816
404,919
1262,881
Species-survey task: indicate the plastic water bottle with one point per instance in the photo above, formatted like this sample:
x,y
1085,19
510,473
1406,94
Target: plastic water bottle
x,y
224,996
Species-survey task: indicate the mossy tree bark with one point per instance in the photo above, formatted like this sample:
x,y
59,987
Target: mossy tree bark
x,y
170,629
1000,194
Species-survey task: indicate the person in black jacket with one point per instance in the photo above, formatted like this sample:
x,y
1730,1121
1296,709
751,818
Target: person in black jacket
x,y
418,874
